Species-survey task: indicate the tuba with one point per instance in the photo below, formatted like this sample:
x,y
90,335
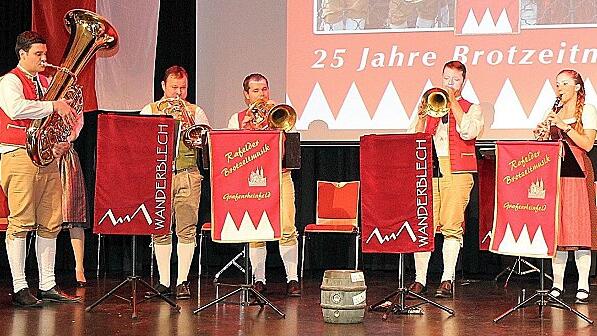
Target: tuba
x,y
269,116
435,102
191,133
89,33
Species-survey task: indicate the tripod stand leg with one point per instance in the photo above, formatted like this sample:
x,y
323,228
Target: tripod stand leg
x,y
158,294
518,306
516,263
218,300
266,301
567,307
379,303
107,295
431,302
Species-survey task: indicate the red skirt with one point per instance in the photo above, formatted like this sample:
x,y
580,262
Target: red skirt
x,y
578,212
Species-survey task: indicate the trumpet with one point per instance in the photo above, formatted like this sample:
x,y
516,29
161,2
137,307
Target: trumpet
x,y
265,115
191,132
435,102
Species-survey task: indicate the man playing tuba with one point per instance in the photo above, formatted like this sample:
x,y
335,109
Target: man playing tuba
x,y
255,89
34,193
186,183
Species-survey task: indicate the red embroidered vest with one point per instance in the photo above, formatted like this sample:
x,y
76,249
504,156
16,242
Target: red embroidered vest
x,y
463,158
13,132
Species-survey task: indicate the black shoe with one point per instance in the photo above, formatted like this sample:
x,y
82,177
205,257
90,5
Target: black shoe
x,y
293,288
165,291
57,295
583,300
183,292
23,298
259,286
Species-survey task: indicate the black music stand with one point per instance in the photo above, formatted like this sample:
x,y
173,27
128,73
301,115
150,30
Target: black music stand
x,y
133,280
542,296
291,160
488,153
244,289
400,307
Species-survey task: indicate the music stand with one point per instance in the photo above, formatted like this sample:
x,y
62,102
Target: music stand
x,y
542,297
136,219
369,179
133,280
247,287
400,307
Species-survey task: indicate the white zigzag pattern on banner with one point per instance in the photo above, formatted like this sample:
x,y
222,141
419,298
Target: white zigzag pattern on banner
x,y
391,113
524,245
487,24
247,230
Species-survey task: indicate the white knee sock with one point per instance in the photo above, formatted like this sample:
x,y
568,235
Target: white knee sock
x,y
421,264
289,256
162,256
558,265
185,257
16,249
583,265
46,258
257,255
450,252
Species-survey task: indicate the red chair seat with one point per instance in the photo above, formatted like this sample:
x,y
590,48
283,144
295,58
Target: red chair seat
x,y
330,228
206,227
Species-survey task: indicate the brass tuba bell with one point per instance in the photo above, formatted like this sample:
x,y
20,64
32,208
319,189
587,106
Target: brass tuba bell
x,y
435,102
89,33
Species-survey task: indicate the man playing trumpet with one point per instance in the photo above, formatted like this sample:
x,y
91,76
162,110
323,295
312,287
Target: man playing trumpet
x,y
186,184
454,137
256,88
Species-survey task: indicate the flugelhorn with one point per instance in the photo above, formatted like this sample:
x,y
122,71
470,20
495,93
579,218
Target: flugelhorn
x,y
270,116
191,133
89,33
435,102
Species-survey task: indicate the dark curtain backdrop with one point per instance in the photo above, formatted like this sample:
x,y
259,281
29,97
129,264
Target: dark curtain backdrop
x,y
176,45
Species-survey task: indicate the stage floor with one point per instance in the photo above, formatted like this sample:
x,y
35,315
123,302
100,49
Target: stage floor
x,y
476,304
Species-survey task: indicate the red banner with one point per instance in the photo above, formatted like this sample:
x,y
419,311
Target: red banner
x,y
245,185
396,193
134,174
527,199
486,166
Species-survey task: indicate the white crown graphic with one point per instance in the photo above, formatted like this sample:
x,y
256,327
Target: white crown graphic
x,y
487,25
537,190
524,246
247,231
257,178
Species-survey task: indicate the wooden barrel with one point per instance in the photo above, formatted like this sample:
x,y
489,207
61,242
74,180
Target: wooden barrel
x,y
343,296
